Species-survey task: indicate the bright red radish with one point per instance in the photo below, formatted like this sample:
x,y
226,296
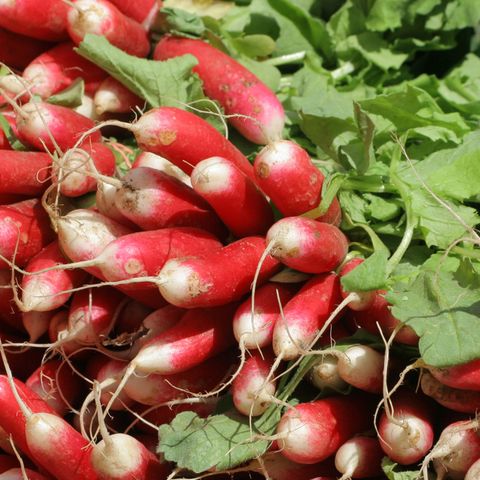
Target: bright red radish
x,y
307,245
465,376
406,435
142,11
304,315
466,401
45,292
55,70
324,375
24,173
233,196
359,457
73,171
44,20
217,277
185,139
255,110
364,300
257,331
252,389
362,367
153,199
24,231
113,97
101,17
311,432
39,122
148,159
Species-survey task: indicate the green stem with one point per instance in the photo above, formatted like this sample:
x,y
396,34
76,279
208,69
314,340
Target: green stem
x,y
286,59
340,72
466,252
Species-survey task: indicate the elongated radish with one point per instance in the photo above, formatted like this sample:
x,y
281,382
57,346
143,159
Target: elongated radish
x,y
324,375
252,389
359,457
307,245
73,171
407,434
148,159
364,300
362,367
43,125
50,18
113,97
152,199
45,292
311,432
257,331
233,196
101,17
465,376
142,11
206,280
55,70
185,139
24,231
255,110
24,173
304,315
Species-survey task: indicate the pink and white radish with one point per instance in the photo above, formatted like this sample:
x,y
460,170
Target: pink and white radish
x,y
142,11
113,97
148,159
324,375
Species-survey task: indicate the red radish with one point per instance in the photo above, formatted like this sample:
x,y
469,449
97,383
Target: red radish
x,y
45,292
233,196
37,323
466,401
24,173
43,125
217,277
53,71
324,375
359,457
56,384
24,231
407,435
105,203
155,389
362,367
311,432
19,474
255,110
26,49
152,199
185,139
365,299
307,245
148,159
50,18
474,471
465,376
257,331
113,97
143,11
7,462
73,171
101,17
304,315
252,389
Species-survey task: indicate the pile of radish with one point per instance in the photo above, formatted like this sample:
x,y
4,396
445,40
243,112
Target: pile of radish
x,y
195,275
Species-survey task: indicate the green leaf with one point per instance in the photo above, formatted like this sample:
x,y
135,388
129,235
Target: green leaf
x,y
219,441
254,46
394,472
387,14
444,310
70,97
181,21
369,275
14,142
160,83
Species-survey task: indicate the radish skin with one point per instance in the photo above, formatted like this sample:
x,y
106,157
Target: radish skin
x,y
113,97
324,375
465,376
18,474
142,11
148,159
474,471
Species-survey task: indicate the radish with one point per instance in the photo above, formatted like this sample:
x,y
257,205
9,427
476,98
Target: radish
x,y
252,389
7,462
36,323
474,471
148,159
465,376
311,432
304,315
307,245
53,71
362,367
113,97
253,109
101,17
324,375
406,435
108,377
217,277
19,474
364,300
184,138
233,196
24,173
359,457
43,125
50,18
143,11
256,331
467,401
24,231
